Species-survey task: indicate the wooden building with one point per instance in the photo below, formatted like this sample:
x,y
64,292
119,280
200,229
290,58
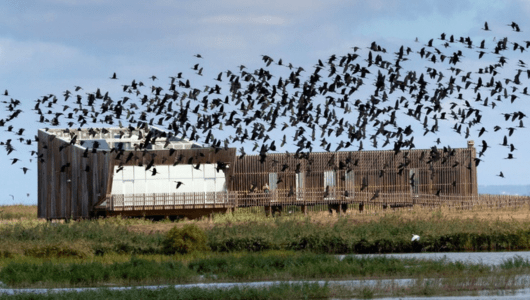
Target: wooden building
x,y
92,172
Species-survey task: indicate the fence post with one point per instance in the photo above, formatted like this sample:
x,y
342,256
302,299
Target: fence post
x,y
304,209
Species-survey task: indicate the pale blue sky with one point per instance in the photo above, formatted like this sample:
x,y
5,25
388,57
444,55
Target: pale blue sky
x,y
49,46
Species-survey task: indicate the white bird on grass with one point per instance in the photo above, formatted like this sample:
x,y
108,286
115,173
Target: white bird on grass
x,y
415,237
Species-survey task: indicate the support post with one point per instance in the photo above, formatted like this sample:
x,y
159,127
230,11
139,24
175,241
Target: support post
x,y
344,207
277,209
268,210
334,207
304,209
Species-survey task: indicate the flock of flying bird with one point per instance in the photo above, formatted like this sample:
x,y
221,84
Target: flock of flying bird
x,y
316,107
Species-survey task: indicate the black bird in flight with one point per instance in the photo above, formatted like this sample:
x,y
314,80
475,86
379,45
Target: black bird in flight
x,y
291,191
322,103
179,183
375,196
326,192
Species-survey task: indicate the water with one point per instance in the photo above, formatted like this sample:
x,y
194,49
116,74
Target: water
x,y
514,295
489,258
226,285
518,294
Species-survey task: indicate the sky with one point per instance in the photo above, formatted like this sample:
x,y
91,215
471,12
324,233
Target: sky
x,y
49,46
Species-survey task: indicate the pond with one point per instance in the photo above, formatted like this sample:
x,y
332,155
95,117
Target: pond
x,y
488,258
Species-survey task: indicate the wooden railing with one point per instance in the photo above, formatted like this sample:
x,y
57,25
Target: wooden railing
x,y
164,201
306,197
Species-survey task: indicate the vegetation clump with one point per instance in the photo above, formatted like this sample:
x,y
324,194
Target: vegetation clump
x,y
55,250
189,238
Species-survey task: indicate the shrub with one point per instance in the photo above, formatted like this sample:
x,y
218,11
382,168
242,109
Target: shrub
x,y
184,240
56,250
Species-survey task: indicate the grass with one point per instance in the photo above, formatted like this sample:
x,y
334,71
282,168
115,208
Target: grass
x,y
378,232
9,212
241,267
388,234
281,291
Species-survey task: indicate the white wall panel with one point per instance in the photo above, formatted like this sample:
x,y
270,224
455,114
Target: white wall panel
x,y
162,172
139,173
180,171
117,176
128,186
139,186
160,186
198,173
209,170
150,186
117,187
128,172
197,186
220,185
209,185
134,179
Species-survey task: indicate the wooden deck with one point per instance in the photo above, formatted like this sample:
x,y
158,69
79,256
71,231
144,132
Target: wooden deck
x,y
200,204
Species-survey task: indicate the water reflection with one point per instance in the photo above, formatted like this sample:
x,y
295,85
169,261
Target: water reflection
x,y
395,283
488,258
501,295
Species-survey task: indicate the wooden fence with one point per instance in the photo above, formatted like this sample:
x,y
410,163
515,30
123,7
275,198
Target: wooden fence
x,y
175,201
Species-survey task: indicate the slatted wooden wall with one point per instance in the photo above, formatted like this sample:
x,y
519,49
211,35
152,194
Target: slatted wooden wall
x,y
441,171
73,192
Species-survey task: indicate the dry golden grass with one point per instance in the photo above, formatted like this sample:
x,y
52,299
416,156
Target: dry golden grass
x,y
18,212
324,218
156,227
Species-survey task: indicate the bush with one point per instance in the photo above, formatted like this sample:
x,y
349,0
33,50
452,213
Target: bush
x,y
56,250
189,238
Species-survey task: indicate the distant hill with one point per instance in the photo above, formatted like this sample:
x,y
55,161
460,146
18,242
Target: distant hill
x,y
504,189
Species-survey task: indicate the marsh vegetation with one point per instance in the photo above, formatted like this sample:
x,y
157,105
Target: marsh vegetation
x,y
247,246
